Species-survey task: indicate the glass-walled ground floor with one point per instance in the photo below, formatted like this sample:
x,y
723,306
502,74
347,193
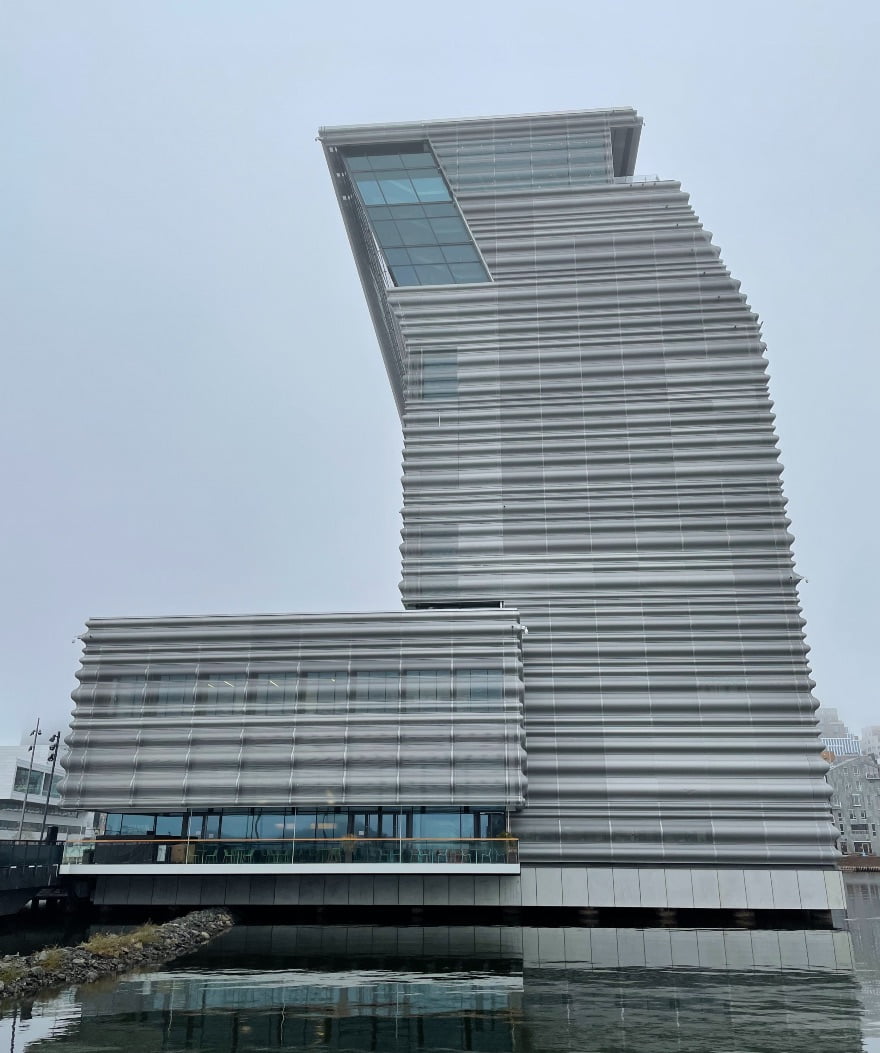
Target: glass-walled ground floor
x,y
417,835
309,823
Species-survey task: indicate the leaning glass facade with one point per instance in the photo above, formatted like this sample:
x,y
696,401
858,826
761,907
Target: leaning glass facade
x,y
413,216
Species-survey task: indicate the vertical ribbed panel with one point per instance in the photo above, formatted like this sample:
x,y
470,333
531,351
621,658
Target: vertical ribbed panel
x,y
178,713
601,455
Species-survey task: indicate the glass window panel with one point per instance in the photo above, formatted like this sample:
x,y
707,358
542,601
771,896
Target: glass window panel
x,y
405,275
377,685
392,824
439,378
269,825
426,254
34,785
397,191
460,254
195,826
417,231
370,192
437,824
222,694
125,692
137,825
236,826
421,160
450,230
490,824
440,210
468,272
114,823
174,692
212,826
380,212
427,684
396,256
430,188
380,161
358,164
331,824
435,274
388,234
361,824
324,688
169,825
407,212
300,825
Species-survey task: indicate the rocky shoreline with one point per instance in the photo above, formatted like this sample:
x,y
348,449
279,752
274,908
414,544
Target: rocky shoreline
x,y
108,954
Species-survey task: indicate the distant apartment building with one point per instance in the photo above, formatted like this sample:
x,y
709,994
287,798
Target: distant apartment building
x,y
835,735
871,740
855,804
830,723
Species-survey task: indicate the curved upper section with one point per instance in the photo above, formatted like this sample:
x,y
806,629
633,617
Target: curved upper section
x,y
401,186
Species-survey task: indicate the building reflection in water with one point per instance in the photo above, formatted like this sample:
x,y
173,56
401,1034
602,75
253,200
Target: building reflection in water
x,y
863,911
481,989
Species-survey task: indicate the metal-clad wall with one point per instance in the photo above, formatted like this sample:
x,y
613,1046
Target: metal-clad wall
x,y
606,461
151,733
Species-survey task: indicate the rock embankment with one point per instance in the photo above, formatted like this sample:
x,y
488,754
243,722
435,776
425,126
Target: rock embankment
x,y
109,953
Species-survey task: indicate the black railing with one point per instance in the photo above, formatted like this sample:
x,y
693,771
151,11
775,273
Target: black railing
x,y
435,851
29,854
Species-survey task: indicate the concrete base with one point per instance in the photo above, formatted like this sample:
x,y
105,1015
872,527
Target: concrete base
x,y
548,886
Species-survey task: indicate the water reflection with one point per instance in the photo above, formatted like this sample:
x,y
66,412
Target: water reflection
x,y
483,989
863,910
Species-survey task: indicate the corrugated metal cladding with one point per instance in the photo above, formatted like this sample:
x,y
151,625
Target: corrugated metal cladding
x,y
335,710
589,438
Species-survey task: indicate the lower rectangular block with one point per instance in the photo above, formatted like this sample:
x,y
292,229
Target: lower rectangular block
x,y
652,887
287,890
360,891
626,887
486,890
385,889
705,886
600,887
549,889
814,895
411,890
461,890
574,887
436,890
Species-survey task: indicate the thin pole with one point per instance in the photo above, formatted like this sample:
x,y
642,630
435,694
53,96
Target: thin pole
x,y
27,785
49,788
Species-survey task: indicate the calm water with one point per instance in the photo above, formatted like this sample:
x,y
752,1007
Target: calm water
x,y
486,989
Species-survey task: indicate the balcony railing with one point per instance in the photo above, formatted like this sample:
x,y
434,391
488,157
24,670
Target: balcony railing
x,y
301,850
29,854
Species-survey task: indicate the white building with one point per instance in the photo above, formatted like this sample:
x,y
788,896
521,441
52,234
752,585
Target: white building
x,y
14,761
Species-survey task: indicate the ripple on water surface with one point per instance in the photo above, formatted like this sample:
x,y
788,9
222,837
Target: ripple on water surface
x,y
402,990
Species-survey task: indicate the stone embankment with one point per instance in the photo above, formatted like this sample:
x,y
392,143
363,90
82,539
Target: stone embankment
x,y
108,954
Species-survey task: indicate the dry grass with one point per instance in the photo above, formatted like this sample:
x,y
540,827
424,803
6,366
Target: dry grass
x,y
10,973
110,944
53,959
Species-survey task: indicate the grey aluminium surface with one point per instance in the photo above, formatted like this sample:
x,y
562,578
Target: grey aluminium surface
x,y
273,711
601,455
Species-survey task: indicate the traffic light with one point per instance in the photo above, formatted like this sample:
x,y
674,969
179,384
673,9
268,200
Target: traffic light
x,y
53,747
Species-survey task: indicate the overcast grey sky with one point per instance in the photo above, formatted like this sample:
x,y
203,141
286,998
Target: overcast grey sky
x,y
194,413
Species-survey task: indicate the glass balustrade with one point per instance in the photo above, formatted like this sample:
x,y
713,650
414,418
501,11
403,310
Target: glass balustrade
x,y
323,851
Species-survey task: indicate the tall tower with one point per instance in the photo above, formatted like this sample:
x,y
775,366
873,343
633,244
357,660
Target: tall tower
x,y
588,437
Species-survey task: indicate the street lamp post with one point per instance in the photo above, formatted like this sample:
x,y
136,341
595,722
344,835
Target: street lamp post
x,y
53,757
32,750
